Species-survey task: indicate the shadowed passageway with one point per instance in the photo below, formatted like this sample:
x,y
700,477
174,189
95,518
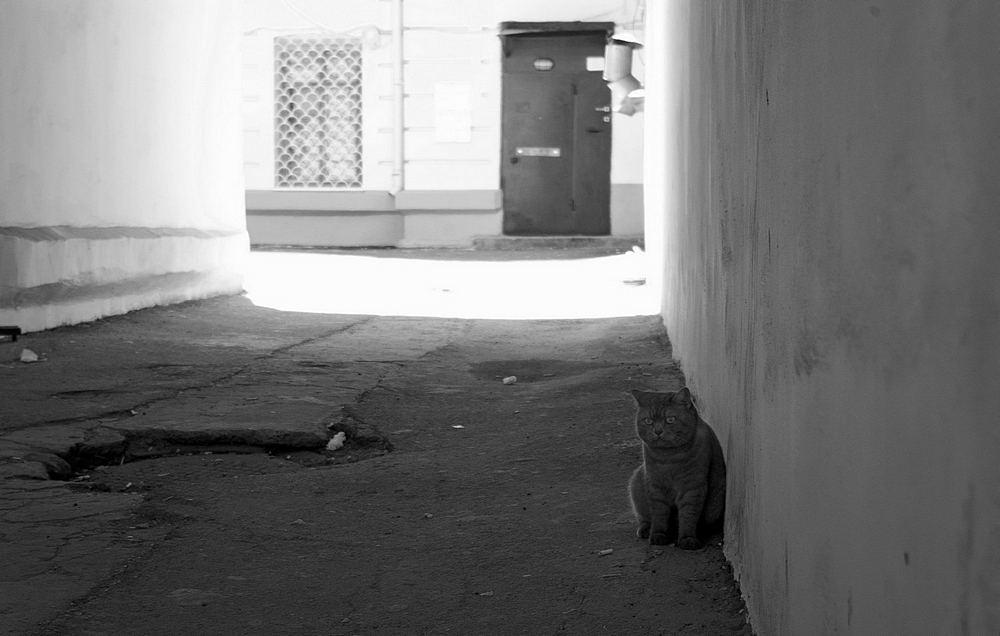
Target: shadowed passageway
x,y
459,504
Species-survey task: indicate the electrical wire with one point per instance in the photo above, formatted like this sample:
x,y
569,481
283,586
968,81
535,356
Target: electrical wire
x,y
461,30
317,25
635,21
308,18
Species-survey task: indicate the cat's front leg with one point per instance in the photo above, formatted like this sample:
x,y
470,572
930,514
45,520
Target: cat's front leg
x,y
659,517
640,501
689,509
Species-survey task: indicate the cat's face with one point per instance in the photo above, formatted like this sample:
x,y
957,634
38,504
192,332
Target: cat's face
x,y
665,420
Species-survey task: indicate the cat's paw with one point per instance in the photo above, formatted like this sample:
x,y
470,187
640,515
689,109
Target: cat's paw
x,y
642,532
688,543
658,538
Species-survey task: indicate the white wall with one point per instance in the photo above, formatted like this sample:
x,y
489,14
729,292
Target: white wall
x,y
831,258
262,21
119,136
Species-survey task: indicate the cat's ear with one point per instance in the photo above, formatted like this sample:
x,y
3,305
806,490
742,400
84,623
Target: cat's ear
x,y
683,397
641,397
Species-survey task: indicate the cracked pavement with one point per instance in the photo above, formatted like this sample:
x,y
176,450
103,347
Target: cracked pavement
x,y
492,513
208,374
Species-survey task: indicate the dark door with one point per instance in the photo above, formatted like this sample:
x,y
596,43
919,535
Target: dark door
x,y
556,164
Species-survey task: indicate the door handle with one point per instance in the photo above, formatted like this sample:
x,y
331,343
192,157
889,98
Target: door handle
x,y
603,109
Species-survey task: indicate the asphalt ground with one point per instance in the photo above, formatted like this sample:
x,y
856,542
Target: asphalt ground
x,y
167,471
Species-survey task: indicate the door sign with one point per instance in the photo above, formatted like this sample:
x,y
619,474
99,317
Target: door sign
x,y
528,151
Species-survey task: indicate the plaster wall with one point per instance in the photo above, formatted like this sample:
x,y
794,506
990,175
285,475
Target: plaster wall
x,y
830,249
449,228
120,146
443,43
367,229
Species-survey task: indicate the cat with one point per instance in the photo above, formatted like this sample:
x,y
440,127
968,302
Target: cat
x,y
679,491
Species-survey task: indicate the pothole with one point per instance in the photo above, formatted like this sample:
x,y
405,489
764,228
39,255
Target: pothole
x,y
104,445
361,441
358,431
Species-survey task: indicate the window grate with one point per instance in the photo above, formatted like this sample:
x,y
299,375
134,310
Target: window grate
x,y
317,114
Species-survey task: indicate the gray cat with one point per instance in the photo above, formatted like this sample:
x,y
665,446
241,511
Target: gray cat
x,y
679,491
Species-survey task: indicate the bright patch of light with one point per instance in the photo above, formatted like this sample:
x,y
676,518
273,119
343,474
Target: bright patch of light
x,y
315,282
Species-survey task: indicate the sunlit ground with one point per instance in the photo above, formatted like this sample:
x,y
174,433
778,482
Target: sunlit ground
x,y
452,284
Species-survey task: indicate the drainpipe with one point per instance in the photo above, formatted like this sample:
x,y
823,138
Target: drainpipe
x,y
398,120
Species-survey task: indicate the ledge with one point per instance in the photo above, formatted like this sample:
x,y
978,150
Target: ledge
x,y
65,232
293,203
33,258
277,201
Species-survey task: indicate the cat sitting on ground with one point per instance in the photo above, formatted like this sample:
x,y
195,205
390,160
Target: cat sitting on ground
x,y
679,491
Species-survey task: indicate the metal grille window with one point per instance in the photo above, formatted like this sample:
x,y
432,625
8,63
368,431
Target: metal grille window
x,y
317,92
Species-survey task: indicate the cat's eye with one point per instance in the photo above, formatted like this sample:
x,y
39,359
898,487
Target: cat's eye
x,y
670,419
647,421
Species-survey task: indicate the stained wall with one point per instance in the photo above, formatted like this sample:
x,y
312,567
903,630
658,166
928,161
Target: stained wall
x,y
120,156
827,184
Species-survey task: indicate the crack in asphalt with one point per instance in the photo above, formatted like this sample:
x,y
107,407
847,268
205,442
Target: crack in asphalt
x,y
328,334
174,393
87,451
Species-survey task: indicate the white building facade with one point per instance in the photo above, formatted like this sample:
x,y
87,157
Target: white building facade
x,y
382,122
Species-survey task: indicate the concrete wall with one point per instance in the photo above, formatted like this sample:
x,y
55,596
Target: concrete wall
x,y
120,156
829,176
443,43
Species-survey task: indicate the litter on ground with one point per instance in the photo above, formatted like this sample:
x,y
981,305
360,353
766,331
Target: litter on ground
x,y
336,442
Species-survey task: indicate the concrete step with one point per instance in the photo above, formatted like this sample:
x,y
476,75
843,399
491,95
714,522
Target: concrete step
x,y
518,243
